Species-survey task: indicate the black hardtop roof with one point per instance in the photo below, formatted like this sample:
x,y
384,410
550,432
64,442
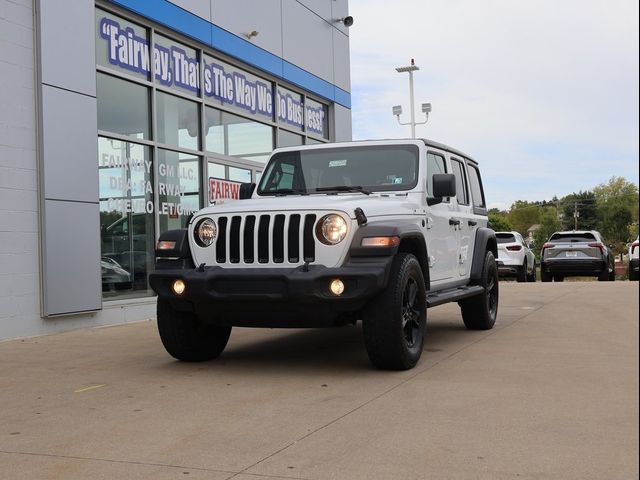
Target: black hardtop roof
x,y
442,146
427,142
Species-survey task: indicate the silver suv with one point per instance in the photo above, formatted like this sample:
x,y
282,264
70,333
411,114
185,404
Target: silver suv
x,y
576,253
335,233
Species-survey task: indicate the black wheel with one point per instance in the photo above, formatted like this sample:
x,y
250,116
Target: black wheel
x,y
395,321
558,278
545,276
522,273
187,338
532,276
633,276
604,276
479,312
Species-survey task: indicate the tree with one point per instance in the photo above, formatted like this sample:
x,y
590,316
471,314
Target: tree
x,y
617,204
585,204
522,215
549,224
498,221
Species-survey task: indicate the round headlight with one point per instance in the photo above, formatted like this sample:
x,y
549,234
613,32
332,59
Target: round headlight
x,y
331,229
206,232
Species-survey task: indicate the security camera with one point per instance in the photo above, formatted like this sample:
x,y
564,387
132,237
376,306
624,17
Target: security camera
x,y
346,21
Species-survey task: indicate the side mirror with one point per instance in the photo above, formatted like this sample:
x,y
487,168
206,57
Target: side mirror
x,y
444,185
246,190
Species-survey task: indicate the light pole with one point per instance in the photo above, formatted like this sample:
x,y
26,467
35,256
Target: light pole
x,y
426,107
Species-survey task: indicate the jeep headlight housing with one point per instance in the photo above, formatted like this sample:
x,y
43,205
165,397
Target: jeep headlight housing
x,y
331,229
205,232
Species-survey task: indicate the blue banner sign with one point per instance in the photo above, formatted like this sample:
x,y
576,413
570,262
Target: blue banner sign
x,y
176,67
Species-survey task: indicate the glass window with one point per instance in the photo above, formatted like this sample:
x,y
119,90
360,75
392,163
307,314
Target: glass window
x,y
178,121
176,66
126,216
339,169
237,136
123,107
312,141
317,118
288,139
476,187
461,182
178,188
122,45
290,108
435,164
217,170
239,174
237,89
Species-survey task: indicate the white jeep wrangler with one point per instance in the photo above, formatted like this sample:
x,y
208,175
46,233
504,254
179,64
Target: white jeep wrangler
x,y
335,233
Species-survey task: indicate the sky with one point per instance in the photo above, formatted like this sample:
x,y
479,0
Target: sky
x,y
544,94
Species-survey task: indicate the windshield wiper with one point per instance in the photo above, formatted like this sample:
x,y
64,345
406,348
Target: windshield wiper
x,y
286,191
344,188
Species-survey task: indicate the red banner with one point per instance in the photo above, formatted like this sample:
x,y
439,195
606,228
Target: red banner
x,y
223,189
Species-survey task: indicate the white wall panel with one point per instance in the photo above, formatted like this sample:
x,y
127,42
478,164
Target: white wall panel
x,y
307,40
243,16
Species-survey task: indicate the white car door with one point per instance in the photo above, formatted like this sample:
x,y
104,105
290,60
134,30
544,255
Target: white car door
x,y
442,242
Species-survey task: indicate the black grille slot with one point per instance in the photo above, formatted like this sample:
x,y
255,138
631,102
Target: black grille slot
x,y
221,244
263,239
293,238
249,230
309,244
234,240
278,239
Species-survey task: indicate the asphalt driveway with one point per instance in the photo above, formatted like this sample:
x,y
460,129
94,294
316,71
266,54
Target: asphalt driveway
x,y
550,392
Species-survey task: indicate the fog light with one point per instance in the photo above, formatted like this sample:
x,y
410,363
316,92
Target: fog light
x,y
337,287
178,287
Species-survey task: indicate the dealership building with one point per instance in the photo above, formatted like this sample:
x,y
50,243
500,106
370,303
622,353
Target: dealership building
x,y
118,119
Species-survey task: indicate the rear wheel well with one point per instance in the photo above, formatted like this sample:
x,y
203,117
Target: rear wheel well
x,y
416,246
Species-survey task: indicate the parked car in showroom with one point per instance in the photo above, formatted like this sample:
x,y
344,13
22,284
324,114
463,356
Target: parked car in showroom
x,y
576,253
515,258
634,250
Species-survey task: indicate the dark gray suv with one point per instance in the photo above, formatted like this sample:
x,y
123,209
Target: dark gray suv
x,y
576,253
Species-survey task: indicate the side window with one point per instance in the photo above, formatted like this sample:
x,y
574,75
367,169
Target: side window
x,y
435,164
461,182
476,187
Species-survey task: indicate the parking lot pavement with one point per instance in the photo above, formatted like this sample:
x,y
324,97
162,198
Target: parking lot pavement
x,y
550,392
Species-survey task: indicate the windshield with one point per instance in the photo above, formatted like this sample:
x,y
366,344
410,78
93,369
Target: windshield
x,y
364,169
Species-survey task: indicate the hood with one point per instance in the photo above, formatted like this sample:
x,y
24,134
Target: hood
x,y
372,205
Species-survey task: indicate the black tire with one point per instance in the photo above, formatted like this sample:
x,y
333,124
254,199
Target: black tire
x,y
187,338
522,273
480,312
633,276
394,322
545,276
604,275
558,278
532,277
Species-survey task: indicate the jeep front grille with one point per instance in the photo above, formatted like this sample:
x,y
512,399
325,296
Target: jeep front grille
x,y
265,238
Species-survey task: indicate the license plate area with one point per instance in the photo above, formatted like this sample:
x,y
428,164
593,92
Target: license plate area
x,y
571,254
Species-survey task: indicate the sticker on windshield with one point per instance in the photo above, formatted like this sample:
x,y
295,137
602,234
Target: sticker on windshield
x,y
338,163
397,180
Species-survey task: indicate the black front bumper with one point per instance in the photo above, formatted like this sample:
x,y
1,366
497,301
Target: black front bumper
x,y
273,297
582,266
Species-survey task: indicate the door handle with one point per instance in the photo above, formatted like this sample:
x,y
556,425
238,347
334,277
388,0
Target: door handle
x,y
472,223
454,221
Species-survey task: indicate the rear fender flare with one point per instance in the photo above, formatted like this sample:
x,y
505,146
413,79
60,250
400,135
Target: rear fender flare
x,y
485,241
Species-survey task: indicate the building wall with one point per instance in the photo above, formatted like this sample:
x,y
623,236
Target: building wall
x,y
19,278
293,30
